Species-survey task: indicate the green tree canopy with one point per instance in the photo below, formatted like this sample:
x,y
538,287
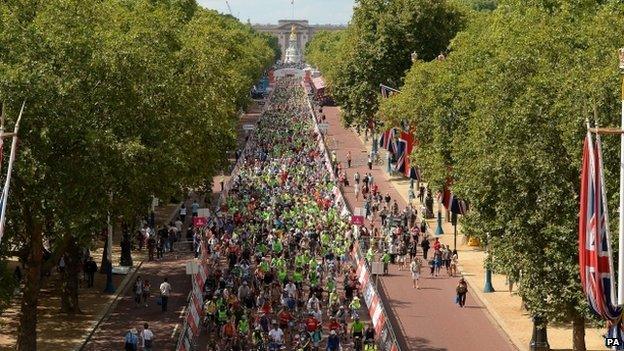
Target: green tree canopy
x,y
130,98
377,49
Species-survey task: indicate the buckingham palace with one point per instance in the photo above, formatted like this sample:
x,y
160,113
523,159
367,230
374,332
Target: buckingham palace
x,y
303,30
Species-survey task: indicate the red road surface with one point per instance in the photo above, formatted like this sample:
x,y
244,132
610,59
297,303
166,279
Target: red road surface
x,y
428,319
109,335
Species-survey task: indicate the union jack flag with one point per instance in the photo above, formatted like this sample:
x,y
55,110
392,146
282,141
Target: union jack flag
x,y
595,259
386,140
401,155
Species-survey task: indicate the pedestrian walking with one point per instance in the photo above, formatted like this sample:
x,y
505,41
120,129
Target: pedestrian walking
x,y
165,292
425,247
421,194
160,248
415,270
138,291
195,208
462,290
183,213
147,338
146,291
454,260
356,189
356,177
431,267
348,159
446,258
437,258
90,268
151,246
131,340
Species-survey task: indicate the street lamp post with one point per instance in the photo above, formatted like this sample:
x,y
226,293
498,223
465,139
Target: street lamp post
x,y
620,287
539,339
454,223
439,230
487,288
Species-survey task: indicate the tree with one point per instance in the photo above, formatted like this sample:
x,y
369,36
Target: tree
x,y
377,49
503,118
120,106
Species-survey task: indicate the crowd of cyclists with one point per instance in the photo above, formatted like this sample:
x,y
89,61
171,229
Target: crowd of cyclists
x,y
280,273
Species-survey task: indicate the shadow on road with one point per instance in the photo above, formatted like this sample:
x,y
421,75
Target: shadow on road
x,y
421,344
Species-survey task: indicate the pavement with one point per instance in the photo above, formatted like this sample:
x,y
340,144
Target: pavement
x,y
59,331
493,318
126,315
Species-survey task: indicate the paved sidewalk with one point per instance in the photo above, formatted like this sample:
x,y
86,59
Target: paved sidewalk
x,y
428,318
504,308
126,314
59,331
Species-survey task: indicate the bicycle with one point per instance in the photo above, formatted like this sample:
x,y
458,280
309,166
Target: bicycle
x,y
357,344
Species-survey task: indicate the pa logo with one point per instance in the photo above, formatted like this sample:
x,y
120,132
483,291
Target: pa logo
x,y
613,342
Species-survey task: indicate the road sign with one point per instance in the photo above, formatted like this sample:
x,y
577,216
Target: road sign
x,y
199,221
192,267
357,220
248,127
203,212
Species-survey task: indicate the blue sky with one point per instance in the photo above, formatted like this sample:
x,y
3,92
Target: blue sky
x,y
269,11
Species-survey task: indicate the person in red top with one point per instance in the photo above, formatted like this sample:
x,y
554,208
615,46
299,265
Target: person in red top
x,y
311,323
285,317
334,325
313,328
436,244
266,308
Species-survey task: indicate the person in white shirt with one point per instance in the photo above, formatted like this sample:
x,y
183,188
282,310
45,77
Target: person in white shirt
x,y
291,288
147,338
178,225
165,291
276,334
313,303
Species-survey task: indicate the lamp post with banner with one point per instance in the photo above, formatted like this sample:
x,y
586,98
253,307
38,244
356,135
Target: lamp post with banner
x,y
620,285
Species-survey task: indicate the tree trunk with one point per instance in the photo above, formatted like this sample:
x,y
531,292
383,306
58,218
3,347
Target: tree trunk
x,y
104,257
126,247
70,279
578,333
27,331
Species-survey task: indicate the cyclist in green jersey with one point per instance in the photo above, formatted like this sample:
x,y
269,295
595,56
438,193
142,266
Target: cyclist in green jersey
x,y
357,328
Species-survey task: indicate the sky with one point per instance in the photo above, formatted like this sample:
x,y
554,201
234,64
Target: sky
x,y
270,11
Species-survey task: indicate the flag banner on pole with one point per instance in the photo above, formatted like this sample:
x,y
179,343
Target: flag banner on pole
x,y
458,206
386,91
446,198
595,261
401,155
386,140
409,146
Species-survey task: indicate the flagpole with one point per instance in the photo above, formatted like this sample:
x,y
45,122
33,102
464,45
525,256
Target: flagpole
x,y
620,287
7,183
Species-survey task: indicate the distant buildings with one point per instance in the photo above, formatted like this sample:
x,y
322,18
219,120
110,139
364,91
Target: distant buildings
x,y
303,33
